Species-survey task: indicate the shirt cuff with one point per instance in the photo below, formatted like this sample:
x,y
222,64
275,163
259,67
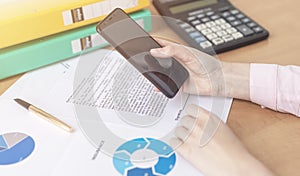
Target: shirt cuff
x,y
263,81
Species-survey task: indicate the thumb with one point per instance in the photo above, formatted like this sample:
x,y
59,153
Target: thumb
x,y
160,52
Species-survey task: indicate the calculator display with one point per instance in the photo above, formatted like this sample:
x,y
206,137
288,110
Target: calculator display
x,y
192,5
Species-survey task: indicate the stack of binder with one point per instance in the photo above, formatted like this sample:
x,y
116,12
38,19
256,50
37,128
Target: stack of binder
x,y
36,33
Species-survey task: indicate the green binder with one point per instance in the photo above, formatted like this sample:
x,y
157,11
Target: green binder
x,y
44,51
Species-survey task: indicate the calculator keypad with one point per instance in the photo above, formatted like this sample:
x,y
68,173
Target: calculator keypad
x,y
216,28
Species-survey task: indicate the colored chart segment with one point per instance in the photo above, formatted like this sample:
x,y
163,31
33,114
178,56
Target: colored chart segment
x,y
145,150
2,143
15,147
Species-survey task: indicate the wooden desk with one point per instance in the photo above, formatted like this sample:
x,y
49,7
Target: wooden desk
x,y
272,137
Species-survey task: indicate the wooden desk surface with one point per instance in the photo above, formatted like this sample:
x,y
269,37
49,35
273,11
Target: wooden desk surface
x,y
272,137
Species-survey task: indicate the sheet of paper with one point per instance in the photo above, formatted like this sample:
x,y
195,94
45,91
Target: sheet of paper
x,y
83,160
94,81
49,142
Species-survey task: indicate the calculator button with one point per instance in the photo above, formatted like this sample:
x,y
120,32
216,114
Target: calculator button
x,y
231,30
178,21
211,36
200,27
200,39
201,15
195,34
210,13
206,31
236,23
216,28
189,30
223,9
217,41
195,22
220,21
240,16
230,18
210,24
258,29
205,44
234,12
237,35
214,17
221,33
246,20
227,38
245,30
191,18
251,25
225,26
184,25
204,20
225,14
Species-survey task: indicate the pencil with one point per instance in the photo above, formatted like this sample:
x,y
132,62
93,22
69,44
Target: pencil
x,y
44,115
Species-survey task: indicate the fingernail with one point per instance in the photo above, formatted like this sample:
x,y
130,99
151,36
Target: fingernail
x,y
154,50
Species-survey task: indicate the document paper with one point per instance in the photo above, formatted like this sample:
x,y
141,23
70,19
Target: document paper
x,y
107,83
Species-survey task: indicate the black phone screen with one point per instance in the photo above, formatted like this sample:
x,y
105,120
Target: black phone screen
x,y
131,41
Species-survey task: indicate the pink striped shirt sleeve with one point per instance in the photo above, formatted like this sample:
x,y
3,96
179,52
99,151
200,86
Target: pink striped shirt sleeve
x,y
276,87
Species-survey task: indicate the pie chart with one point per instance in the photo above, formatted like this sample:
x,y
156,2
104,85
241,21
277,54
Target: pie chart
x,y
144,157
15,147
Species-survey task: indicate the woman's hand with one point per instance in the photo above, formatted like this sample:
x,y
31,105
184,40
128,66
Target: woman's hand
x,y
223,155
202,68
208,76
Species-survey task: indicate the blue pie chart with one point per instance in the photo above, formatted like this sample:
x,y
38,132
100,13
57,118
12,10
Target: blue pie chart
x,y
15,147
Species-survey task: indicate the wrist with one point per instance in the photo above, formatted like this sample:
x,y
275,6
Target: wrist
x,y
236,77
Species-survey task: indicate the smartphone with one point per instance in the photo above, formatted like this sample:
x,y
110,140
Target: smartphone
x,y
134,44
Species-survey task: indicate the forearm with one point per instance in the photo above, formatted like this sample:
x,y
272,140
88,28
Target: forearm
x,y
236,77
249,166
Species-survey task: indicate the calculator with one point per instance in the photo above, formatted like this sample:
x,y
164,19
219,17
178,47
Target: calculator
x,y
212,26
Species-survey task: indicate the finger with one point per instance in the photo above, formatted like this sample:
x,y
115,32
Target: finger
x,y
182,133
163,42
199,113
207,123
156,89
160,52
188,122
196,111
175,143
178,52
